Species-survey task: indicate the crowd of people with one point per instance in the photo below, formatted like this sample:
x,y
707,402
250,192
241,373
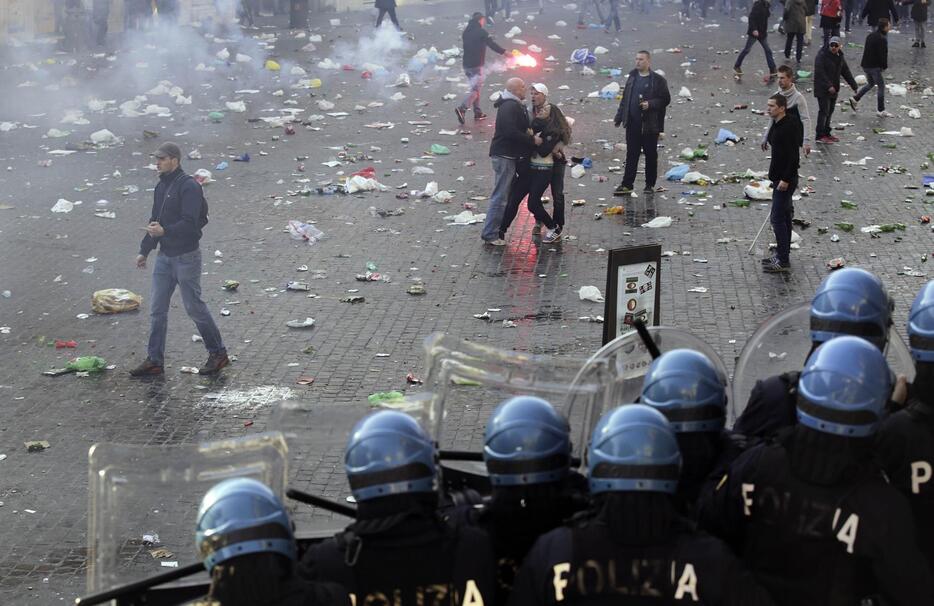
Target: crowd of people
x,y
820,493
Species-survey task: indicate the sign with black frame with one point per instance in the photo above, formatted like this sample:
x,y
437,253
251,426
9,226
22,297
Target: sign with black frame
x,y
633,276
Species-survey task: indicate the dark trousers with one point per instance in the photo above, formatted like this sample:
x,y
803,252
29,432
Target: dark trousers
x,y
873,78
528,182
783,211
539,181
825,107
788,39
100,30
490,8
750,41
636,143
391,11
612,16
831,31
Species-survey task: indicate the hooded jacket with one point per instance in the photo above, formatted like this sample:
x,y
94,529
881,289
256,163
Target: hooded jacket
x,y
653,118
795,16
476,40
511,138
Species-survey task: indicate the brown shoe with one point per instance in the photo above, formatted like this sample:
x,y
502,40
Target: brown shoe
x,y
147,369
215,362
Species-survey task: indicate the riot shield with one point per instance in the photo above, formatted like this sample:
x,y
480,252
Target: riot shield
x,y
782,343
466,381
143,500
626,360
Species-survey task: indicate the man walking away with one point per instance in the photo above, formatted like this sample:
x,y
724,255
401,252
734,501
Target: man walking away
x,y
783,173
829,66
875,61
796,107
511,142
756,31
583,9
642,113
100,14
810,7
919,14
612,17
879,9
179,213
476,40
795,25
387,7
831,13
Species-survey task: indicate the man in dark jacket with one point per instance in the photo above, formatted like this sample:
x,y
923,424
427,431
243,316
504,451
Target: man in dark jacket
x,y
511,143
179,213
829,66
783,137
877,9
476,40
642,112
100,14
875,61
756,31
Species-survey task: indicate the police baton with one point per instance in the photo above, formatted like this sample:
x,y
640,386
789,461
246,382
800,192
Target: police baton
x,y
323,503
646,338
137,588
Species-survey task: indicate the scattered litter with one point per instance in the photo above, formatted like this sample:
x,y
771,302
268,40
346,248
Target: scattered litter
x,y
658,222
590,293
114,300
304,231
306,323
36,445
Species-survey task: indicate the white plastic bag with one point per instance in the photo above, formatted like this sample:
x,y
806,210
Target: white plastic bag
x,y
590,293
658,222
304,231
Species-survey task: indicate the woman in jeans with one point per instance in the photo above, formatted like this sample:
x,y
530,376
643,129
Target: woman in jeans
x,y
548,163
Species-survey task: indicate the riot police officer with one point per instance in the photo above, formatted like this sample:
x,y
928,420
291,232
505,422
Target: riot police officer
x,y
810,512
906,439
245,539
401,550
686,387
632,547
527,450
850,301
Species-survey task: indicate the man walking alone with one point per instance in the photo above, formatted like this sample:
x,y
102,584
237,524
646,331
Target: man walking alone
x,y
476,40
179,213
875,61
642,113
756,31
829,66
783,172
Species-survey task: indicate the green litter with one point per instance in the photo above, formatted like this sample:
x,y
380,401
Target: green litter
x,y
216,116
890,227
803,74
462,381
740,203
385,397
847,227
87,364
439,150
889,146
848,204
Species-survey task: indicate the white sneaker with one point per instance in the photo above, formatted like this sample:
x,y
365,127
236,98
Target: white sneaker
x,y
496,242
885,114
551,236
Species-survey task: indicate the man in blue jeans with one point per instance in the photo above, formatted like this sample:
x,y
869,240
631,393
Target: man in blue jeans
x,y
785,139
179,213
511,143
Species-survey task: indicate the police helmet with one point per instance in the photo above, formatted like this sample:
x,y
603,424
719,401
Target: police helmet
x,y
851,301
685,386
921,325
241,516
389,453
633,448
526,442
844,388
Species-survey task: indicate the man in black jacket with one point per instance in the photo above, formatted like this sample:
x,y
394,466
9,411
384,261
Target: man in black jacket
x,y
829,66
179,213
642,112
875,61
756,32
878,9
476,40
511,143
783,173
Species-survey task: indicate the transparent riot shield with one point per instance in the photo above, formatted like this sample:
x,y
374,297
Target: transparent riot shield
x,y
466,381
626,361
782,343
143,500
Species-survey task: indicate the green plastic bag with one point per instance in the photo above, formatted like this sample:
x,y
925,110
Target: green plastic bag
x,y
385,397
439,150
87,364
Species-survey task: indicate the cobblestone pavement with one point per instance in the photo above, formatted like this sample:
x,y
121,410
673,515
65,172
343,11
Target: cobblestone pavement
x,y
46,256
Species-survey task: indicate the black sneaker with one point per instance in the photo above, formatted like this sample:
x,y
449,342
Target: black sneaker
x,y
478,116
622,190
776,268
769,260
147,369
648,189
215,362
460,115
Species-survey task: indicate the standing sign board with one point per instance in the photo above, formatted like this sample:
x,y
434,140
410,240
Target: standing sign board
x,y
632,289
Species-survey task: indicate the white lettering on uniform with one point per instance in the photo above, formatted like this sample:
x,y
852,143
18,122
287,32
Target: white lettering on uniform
x,y
353,600
847,534
472,596
687,584
559,581
920,474
748,489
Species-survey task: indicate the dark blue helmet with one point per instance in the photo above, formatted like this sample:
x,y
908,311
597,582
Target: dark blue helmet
x,y
844,388
241,516
633,448
526,442
921,325
851,301
686,387
389,453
